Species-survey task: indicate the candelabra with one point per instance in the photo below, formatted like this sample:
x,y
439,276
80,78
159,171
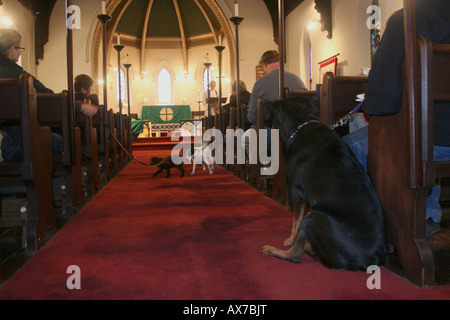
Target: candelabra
x,y
237,21
70,80
104,19
119,48
208,65
219,49
128,65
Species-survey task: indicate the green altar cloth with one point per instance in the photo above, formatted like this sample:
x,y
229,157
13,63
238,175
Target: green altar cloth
x,y
162,114
137,126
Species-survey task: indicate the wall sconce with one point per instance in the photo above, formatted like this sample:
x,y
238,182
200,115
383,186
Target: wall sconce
x,y
312,25
5,21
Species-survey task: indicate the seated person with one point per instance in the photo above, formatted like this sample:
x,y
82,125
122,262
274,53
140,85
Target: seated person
x,y
11,48
385,89
244,97
268,86
83,89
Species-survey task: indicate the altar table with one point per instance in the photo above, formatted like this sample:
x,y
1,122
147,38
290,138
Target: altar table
x,y
163,114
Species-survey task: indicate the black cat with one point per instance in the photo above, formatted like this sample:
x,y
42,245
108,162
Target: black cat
x,y
166,164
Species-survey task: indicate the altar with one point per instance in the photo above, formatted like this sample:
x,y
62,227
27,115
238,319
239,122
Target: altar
x,y
164,114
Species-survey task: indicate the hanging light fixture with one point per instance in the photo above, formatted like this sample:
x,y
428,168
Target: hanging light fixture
x,y
4,20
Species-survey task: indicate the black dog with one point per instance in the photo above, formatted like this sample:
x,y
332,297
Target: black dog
x,y
165,164
345,227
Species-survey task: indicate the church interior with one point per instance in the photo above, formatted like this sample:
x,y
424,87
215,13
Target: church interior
x,y
198,237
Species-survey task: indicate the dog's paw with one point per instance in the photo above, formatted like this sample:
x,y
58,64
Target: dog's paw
x,y
267,251
289,242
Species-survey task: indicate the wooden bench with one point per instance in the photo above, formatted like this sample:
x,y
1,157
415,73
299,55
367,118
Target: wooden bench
x,y
89,159
99,122
255,179
30,174
54,111
113,144
338,96
403,169
121,133
237,121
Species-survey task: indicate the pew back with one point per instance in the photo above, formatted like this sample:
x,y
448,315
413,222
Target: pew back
x,y
31,173
403,169
338,96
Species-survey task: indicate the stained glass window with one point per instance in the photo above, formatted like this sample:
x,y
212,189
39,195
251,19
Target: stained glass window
x,y
206,75
123,84
164,87
375,36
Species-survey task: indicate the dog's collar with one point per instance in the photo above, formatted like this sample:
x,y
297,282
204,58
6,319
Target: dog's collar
x,y
294,134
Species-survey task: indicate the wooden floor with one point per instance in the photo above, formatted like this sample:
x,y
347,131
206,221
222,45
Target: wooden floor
x,y
13,257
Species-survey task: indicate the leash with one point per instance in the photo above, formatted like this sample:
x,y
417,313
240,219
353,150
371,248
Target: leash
x,y
118,142
346,119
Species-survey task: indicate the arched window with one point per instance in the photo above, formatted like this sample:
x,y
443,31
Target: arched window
x,y
206,75
123,84
164,87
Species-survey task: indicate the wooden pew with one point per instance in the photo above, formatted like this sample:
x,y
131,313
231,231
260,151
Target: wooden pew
x,y
279,184
113,144
128,137
121,137
237,121
338,96
403,169
53,111
89,153
99,122
30,174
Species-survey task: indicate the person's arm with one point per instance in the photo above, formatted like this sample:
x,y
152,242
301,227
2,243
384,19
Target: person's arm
x,y
384,90
40,88
253,105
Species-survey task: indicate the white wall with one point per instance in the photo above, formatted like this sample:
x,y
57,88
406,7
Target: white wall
x,y
23,22
350,40
53,68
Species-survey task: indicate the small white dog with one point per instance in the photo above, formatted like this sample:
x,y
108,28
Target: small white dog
x,y
201,155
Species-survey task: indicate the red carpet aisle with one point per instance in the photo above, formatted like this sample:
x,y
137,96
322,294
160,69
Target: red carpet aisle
x,y
187,238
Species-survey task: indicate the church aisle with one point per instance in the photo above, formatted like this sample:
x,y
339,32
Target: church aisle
x,y
192,238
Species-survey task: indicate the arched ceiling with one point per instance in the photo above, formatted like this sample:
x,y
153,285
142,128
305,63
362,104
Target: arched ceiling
x,y
168,23
169,20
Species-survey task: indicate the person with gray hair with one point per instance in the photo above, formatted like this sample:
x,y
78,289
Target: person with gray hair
x,y
11,49
244,95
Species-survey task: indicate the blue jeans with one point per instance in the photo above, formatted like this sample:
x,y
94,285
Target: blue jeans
x,y
12,142
359,143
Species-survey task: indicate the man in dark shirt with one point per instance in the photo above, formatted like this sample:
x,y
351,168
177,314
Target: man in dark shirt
x,y
385,88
